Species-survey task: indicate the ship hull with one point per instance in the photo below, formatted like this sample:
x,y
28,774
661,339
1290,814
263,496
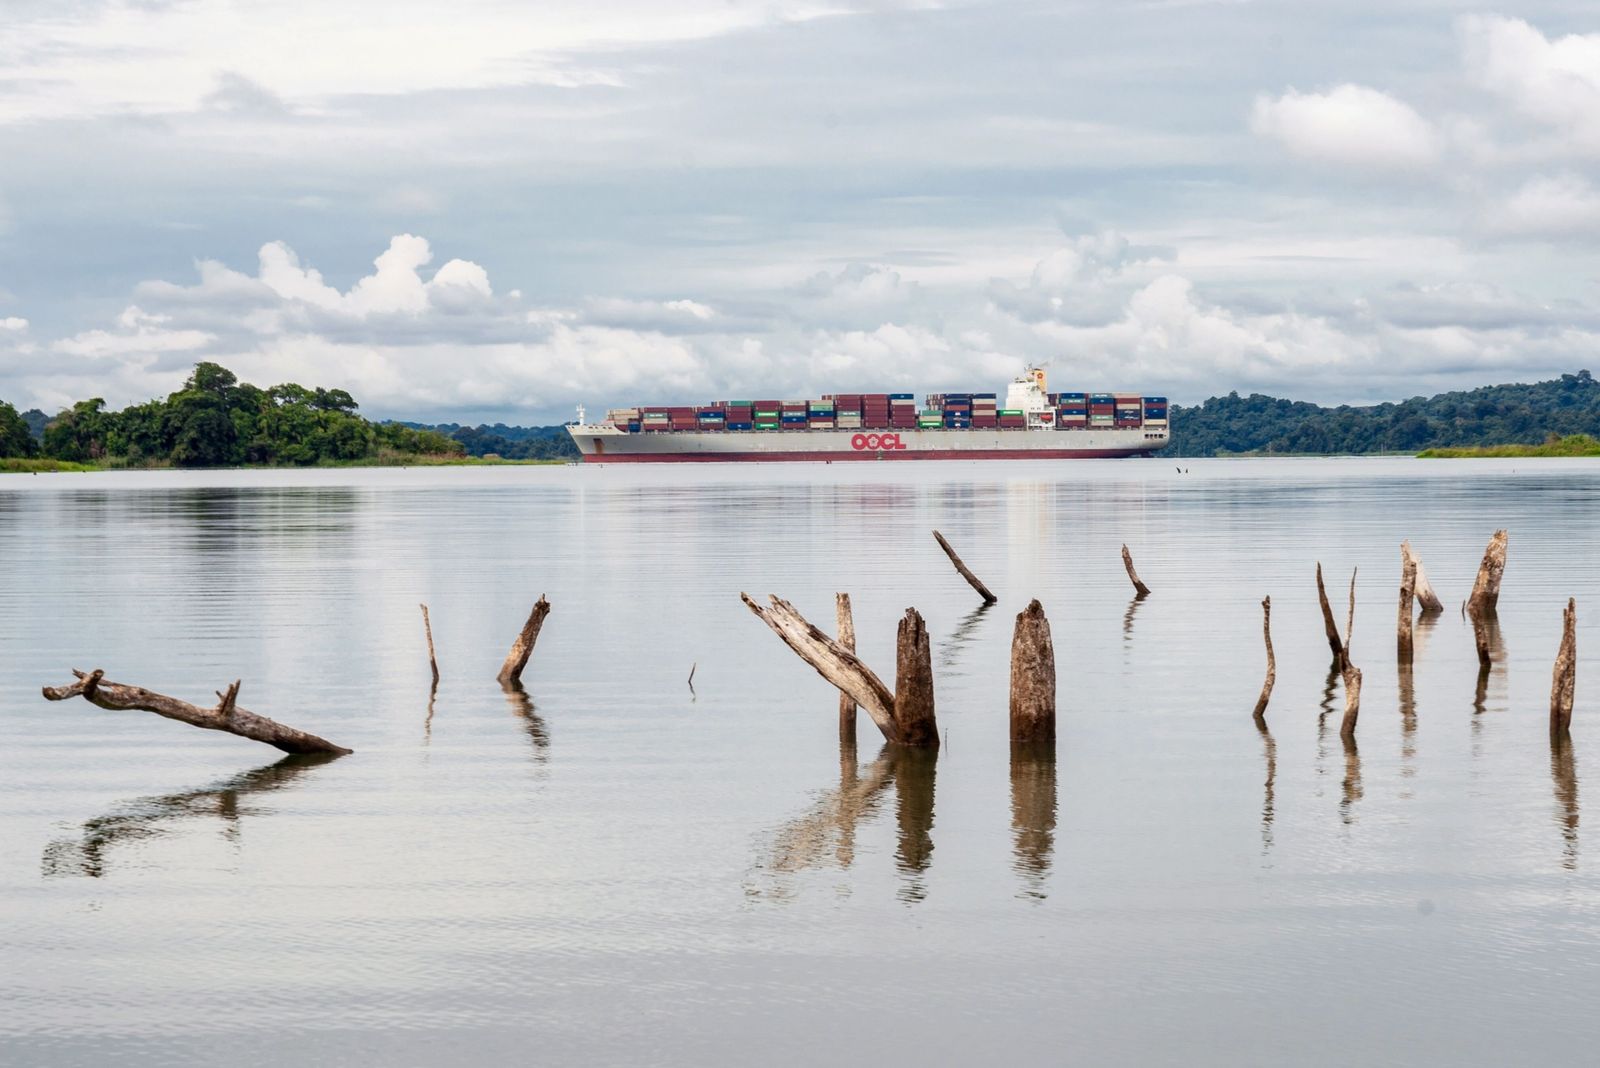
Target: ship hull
x,y
607,444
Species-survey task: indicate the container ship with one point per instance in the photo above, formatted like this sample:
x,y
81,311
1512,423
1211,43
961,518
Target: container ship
x,y
1032,424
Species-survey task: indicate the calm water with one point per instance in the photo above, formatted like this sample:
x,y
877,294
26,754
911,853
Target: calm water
x,y
619,870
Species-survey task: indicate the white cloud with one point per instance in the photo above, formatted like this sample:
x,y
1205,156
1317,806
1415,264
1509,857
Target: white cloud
x,y
1350,126
1555,82
1563,206
138,334
14,323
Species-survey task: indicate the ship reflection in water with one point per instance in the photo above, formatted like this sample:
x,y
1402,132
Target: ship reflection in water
x,y
152,817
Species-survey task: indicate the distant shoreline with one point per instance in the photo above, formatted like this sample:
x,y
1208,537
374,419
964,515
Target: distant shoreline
x,y
19,466
1574,445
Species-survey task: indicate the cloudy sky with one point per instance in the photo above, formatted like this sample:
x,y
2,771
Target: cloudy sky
x,y
499,209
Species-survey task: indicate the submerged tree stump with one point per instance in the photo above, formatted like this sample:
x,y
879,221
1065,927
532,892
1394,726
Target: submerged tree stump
x,y
1272,662
226,716
1427,600
1140,590
847,640
1329,627
904,715
1564,678
966,572
1486,590
1408,593
522,648
1352,702
1033,678
433,661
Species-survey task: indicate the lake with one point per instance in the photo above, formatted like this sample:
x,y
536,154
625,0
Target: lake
x,y
614,868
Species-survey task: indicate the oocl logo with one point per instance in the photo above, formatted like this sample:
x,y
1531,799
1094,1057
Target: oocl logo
x,y
876,442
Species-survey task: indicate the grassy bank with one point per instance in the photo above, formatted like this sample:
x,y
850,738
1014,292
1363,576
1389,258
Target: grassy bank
x,y
17,466
1571,445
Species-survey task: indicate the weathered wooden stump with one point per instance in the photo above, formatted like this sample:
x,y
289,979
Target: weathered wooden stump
x,y
1426,598
1408,592
1486,589
847,640
1140,590
1033,678
521,649
913,683
1329,628
1352,702
1272,661
227,716
433,661
1564,678
965,571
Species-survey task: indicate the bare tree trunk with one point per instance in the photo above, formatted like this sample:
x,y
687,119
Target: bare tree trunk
x,y
1350,616
1329,627
1352,702
433,661
1426,598
1139,588
1408,592
913,684
966,573
522,648
1564,678
1033,678
1486,590
227,716
1272,661
847,640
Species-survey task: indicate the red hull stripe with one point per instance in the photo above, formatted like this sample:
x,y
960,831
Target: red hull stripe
x,y
904,454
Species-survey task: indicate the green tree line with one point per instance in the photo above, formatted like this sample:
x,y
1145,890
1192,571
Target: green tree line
x,y
217,421
1491,415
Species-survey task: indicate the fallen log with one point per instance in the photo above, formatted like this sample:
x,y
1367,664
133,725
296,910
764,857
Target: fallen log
x,y
1033,678
227,716
1486,589
1564,677
522,648
1140,590
1408,593
905,715
433,661
1272,662
847,640
966,572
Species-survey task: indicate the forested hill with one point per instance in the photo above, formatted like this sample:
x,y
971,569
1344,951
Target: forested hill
x,y
507,442
1491,415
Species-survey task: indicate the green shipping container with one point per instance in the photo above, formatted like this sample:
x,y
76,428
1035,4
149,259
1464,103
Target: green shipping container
x,y
766,426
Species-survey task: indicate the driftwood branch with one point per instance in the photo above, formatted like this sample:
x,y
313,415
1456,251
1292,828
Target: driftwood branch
x,y
522,648
433,661
1139,588
1564,678
847,640
1350,616
966,572
226,716
1033,678
1329,627
1486,590
830,659
1272,662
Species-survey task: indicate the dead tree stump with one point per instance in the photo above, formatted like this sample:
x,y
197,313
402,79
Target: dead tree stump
x,y
1352,702
522,648
1272,662
1140,590
1329,627
1486,590
966,572
1033,678
913,683
227,716
1564,678
1427,600
433,661
847,640
1408,593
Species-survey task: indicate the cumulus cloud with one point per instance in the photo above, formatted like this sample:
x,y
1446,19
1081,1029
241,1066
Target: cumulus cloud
x,y
1559,207
1554,82
14,323
1350,126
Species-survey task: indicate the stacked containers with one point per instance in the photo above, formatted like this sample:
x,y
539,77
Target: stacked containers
x,y
740,415
1102,410
847,411
654,419
821,415
713,417
1129,410
957,411
794,415
930,419
1013,419
681,418
1072,411
902,411
767,413
875,411
1155,411
984,415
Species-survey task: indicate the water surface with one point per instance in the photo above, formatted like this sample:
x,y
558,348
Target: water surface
x,y
614,868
